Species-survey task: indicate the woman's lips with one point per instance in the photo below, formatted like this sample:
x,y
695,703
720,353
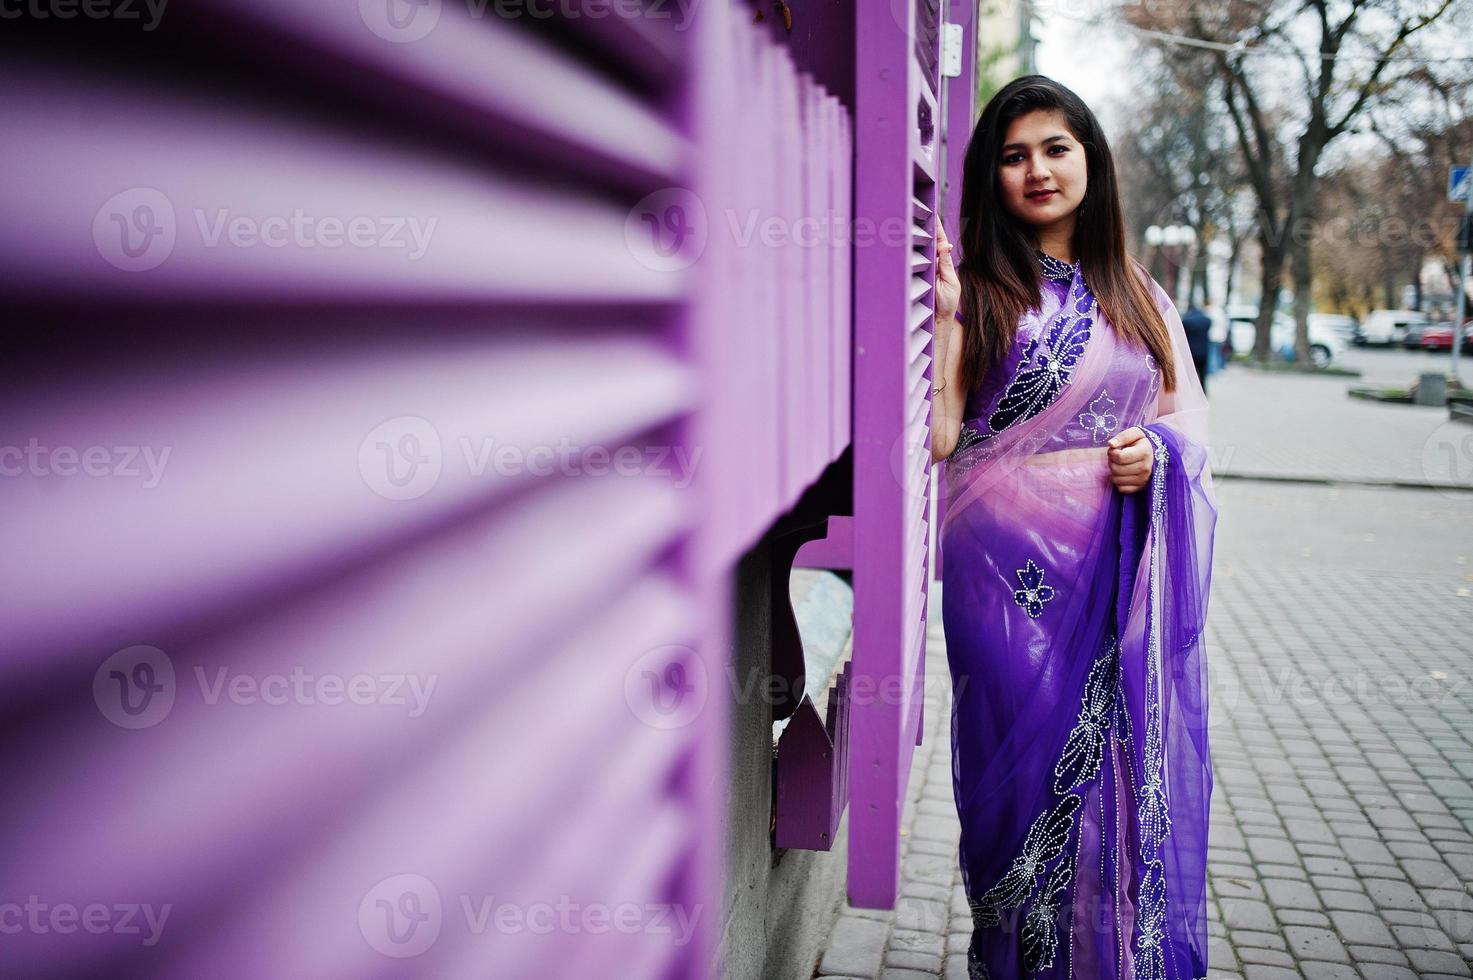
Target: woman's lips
x,y
1040,195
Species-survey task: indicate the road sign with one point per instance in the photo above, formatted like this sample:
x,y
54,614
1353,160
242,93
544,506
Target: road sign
x,y
1457,184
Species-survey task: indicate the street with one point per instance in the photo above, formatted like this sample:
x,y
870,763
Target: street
x,y
1341,840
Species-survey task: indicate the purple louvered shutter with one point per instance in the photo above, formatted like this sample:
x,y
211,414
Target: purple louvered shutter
x,y
777,157
268,448
896,173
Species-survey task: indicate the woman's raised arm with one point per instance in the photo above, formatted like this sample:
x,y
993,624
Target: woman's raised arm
x,y
947,404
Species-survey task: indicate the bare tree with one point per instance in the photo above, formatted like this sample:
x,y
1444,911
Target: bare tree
x,y
1351,55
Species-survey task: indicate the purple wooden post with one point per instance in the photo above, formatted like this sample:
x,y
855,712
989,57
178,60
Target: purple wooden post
x,y
896,169
959,106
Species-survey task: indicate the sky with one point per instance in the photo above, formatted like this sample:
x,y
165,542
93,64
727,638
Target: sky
x,y
1091,59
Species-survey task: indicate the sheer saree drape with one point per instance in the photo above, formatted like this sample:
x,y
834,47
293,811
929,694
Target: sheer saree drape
x,y
1074,617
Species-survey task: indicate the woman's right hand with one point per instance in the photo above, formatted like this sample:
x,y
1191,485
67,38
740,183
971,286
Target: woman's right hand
x,y
948,286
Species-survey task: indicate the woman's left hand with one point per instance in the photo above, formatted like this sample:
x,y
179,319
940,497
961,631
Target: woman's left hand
x,y
948,286
1131,459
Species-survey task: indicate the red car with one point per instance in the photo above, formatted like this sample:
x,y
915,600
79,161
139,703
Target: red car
x,y
1439,336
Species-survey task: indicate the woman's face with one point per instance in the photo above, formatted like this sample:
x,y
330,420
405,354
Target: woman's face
x,y
1041,155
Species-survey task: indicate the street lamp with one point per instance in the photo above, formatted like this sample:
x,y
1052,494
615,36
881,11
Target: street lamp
x,y
1167,240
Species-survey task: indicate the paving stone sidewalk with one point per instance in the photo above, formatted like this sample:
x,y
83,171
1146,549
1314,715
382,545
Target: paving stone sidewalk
x,y
1340,642
1307,427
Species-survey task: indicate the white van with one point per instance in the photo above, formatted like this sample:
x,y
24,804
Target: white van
x,y
1384,327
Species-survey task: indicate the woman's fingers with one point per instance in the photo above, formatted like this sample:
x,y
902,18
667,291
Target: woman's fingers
x,y
943,247
1129,437
1135,453
1130,461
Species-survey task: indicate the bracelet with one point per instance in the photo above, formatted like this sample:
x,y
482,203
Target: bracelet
x,y
937,391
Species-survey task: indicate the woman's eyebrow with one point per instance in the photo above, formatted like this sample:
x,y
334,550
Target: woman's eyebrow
x,y
1024,146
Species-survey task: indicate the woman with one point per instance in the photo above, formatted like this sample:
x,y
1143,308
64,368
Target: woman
x,y
1076,552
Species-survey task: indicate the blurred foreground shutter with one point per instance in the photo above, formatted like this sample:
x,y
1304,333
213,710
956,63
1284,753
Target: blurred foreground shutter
x,y
374,612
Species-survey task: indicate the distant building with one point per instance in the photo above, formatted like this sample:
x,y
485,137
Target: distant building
x,y
1007,45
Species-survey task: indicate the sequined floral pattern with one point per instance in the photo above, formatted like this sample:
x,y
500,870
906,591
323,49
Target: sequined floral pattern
x,y
1100,421
1034,593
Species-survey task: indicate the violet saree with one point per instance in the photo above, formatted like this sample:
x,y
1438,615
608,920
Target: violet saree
x,y
1074,619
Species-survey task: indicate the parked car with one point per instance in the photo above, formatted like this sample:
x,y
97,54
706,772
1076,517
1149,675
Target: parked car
x,y
1325,343
1439,336
1386,327
1243,328
1412,339
1346,326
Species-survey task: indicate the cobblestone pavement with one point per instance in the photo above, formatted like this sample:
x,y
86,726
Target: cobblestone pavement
x,y
1342,735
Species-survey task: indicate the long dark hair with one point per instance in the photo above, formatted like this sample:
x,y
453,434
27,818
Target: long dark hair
x,y
999,274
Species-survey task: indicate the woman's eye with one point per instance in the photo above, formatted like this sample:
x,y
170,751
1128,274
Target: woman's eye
x,y
1012,158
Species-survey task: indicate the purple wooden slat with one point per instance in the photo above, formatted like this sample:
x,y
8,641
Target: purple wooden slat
x,y
806,783
959,110
836,550
790,271
842,737
895,165
701,877
845,370
426,614
240,510
811,164
480,237
783,341
484,69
